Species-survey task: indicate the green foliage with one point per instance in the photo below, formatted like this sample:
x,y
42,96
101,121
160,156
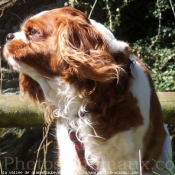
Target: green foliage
x,y
149,27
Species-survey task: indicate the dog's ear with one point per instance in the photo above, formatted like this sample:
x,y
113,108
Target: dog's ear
x,y
85,51
30,86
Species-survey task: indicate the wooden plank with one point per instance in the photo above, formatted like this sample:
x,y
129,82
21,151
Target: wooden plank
x,y
167,101
166,97
17,111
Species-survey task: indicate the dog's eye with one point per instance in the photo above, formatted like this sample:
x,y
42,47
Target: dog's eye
x,y
32,31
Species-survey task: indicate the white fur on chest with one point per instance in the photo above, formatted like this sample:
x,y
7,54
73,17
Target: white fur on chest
x,y
119,153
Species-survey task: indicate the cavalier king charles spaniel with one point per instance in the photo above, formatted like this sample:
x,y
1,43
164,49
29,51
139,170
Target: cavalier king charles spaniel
x,y
101,94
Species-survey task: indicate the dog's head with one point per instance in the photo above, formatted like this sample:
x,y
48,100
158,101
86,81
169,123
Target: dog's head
x,y
64,42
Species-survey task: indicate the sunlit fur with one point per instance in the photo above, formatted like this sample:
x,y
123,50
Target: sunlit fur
x,y
68,61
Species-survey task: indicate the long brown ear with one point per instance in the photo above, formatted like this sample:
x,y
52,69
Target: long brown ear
x,y
28,85
85,50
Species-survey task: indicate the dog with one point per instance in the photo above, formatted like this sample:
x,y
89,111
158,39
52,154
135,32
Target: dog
x,y
102,95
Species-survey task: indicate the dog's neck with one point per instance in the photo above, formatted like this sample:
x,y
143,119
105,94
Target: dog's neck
x,y
112,90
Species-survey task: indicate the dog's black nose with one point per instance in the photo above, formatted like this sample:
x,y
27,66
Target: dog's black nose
x,y
10,36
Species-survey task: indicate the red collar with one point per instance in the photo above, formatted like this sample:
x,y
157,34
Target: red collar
x,y
80,152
